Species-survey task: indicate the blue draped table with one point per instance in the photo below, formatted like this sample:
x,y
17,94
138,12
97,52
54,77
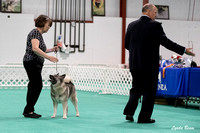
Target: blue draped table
x,y
179,82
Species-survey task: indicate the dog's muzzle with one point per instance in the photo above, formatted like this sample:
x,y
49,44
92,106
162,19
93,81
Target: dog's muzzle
x,y
53,80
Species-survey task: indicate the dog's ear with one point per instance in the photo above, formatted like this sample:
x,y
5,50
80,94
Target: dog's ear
x,y
51,76
63,76
57,74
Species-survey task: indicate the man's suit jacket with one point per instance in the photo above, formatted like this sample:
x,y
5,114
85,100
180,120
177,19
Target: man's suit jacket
x,y
143,39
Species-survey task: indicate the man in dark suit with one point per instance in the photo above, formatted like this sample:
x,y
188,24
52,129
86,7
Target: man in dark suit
x,y
143,39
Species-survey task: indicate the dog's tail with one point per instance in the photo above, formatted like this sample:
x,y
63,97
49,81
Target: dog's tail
x,y
67,79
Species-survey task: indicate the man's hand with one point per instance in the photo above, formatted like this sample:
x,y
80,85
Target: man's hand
x,y
189,52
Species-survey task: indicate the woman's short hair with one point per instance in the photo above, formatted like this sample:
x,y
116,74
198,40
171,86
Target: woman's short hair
x,y
41,20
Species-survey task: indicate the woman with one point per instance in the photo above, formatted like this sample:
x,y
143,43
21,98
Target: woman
x,y
33,62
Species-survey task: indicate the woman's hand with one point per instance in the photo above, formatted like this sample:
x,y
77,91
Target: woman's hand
x,y
55,49
52,59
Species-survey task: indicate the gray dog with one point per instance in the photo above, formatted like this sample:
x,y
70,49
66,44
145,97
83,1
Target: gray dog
x,y
63,89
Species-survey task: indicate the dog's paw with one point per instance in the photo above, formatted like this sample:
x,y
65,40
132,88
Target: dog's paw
x,y
64,117
53,116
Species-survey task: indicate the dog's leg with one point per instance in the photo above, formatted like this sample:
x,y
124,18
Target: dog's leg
x,y
55,106
65,107
75,103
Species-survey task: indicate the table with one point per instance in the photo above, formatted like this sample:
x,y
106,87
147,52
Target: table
x,y
194,83
179,82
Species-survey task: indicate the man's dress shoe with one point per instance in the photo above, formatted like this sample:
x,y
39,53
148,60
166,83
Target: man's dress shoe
x,y
146,121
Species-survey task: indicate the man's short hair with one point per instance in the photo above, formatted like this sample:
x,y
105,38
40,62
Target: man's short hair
x,y
147,7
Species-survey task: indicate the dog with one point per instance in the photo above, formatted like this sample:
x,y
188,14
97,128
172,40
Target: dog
x,y
63,89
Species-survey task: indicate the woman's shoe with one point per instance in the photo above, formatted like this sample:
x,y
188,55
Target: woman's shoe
x,y
37,114
33,115
129,118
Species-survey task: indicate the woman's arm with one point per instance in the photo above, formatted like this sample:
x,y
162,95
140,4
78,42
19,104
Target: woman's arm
x,y
54,49
39,52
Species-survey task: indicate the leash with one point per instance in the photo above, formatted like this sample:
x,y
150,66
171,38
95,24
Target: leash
x,y
56,63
